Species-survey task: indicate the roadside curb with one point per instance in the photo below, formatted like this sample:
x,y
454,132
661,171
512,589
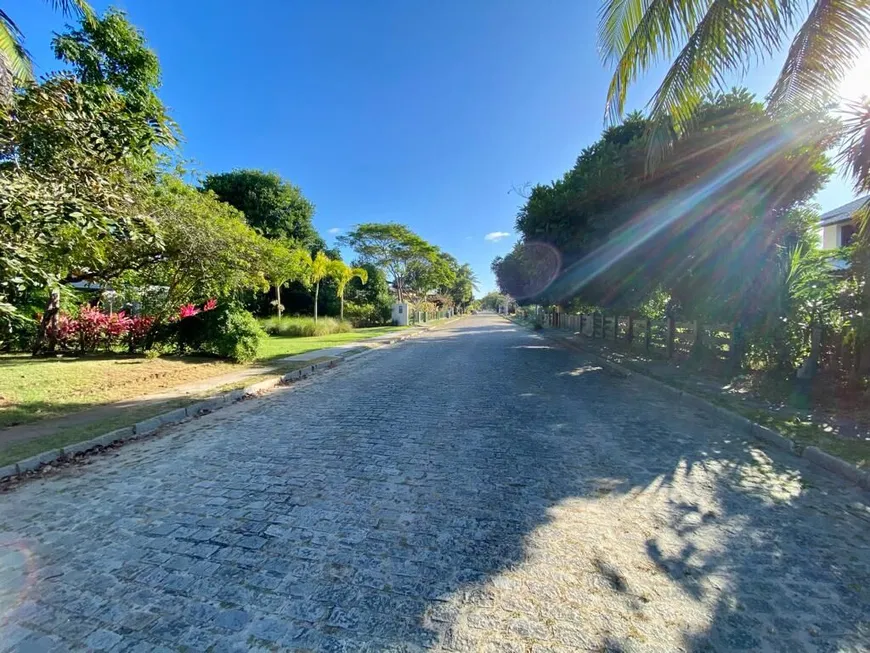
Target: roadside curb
x,y
814,455
154,425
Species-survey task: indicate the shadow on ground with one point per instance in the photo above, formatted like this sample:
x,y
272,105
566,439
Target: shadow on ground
x,y
460,492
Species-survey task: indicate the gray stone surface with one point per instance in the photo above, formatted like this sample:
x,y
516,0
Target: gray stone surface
x,y
472,489
35,462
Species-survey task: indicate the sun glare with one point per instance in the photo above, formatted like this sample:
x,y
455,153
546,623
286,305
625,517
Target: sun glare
x,y
856,83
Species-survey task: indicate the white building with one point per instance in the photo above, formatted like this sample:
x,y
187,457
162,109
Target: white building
x,y
837,226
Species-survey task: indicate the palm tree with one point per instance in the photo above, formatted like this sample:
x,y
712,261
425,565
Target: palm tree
x,y
319,269
15,58
343,274
706,39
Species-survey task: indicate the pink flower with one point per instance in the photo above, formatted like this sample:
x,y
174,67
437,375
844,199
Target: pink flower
x,y
188,310
210,305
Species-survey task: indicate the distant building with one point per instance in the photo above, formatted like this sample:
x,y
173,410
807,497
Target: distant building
x,y
838,228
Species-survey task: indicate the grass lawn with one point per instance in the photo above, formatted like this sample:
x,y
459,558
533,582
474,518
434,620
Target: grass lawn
x,y
33,389
15,451
280,346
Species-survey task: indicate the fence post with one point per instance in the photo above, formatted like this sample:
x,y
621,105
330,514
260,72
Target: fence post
x,y
671,335
736,348
647,336
696,339
630,335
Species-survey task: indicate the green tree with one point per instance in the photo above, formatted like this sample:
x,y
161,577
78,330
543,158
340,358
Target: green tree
x,y
391,246
704,41
492,300
318,268
611,234
274,207
207,250
76,156
463,287
343,275
284,262
436,274
110,53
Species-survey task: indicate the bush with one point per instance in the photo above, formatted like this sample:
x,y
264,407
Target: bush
x,y
227,331
367,315
238,337
302,327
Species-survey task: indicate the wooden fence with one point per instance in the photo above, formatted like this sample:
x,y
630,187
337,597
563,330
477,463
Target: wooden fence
x,y
711,343
660,338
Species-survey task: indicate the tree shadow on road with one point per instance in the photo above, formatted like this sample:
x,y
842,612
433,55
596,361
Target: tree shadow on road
x,y
587,513
529,501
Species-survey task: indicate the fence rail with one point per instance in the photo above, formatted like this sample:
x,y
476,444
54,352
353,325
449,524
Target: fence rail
x,y
663,338
713,343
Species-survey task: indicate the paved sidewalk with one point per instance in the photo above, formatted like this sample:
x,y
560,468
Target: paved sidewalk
x,y
473,489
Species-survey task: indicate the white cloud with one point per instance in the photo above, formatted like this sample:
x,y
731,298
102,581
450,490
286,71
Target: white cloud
x,y
494,236
334,231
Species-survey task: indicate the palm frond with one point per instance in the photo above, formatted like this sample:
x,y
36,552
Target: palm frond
x,y
854,153
730,35
71,7
636,34
833,36
14,55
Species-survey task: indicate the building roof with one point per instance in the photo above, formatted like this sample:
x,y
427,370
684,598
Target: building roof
x,y
843,213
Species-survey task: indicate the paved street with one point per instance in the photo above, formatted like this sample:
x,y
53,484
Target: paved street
x,y
471,489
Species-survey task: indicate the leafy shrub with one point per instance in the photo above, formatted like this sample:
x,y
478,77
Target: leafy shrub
x,y
367,315
227,331
238,337
301,327
137,334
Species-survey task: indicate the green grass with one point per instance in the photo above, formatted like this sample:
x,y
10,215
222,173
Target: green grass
x,y
127,417
304,327
279,346
34,389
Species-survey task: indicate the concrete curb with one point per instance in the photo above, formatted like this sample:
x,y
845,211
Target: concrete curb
x,y
816,456
153,425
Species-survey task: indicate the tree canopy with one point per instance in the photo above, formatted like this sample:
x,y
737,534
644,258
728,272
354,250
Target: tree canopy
x,y
274,207
391,246
609,234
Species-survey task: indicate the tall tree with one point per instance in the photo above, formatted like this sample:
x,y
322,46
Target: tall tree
x,y
319,267
343,275
274,207
609,234
76,155
285,262
391,246
462,289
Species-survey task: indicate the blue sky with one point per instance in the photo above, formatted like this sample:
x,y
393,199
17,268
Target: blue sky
x,y
426,113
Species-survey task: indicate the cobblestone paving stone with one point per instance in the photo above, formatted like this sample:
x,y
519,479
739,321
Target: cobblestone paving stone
x,y
474,489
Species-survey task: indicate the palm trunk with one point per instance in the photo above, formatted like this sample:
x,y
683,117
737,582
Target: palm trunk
x,y
342,307
316,295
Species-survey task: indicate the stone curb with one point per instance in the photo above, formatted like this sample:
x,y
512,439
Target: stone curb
x,y
816,456
152,425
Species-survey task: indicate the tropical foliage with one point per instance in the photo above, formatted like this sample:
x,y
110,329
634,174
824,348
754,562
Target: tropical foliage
x,y
678,240
105,243
705,41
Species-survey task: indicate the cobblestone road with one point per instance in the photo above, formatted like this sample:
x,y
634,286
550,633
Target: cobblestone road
x,y
472,489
